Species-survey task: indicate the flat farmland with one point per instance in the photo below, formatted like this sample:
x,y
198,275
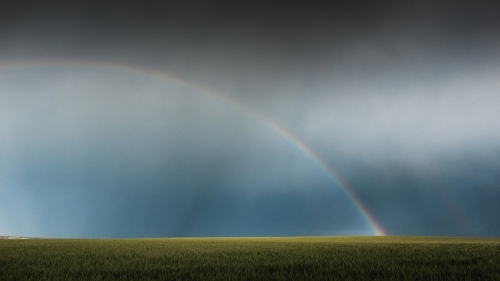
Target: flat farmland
x,y
297,258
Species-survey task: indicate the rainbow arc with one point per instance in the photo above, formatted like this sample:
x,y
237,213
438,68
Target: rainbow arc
x,y
280,130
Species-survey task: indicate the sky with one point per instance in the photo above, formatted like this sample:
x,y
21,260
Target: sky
x,y
249,118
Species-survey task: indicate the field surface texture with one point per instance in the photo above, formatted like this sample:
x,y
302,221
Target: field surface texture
x,y
312,258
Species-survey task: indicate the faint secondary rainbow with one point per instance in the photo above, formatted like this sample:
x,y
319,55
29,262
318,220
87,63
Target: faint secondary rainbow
x,y
162,75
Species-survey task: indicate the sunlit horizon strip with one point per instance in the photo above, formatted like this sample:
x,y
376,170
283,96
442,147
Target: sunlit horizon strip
x,y
162,75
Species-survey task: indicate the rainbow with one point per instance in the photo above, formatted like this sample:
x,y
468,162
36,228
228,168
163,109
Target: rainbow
x,y
165,76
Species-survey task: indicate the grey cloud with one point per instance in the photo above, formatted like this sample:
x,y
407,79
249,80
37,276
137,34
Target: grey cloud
x,y
412,120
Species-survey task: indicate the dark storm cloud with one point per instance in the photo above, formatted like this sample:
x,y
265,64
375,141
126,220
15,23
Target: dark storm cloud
x,y
289,32
259,48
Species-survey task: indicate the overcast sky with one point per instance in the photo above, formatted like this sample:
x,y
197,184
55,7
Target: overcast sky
x,y
219,118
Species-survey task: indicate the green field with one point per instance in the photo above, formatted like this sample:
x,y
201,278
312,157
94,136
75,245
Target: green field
x,y
311,258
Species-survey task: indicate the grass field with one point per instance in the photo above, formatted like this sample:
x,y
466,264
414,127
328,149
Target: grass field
x,y
311,258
